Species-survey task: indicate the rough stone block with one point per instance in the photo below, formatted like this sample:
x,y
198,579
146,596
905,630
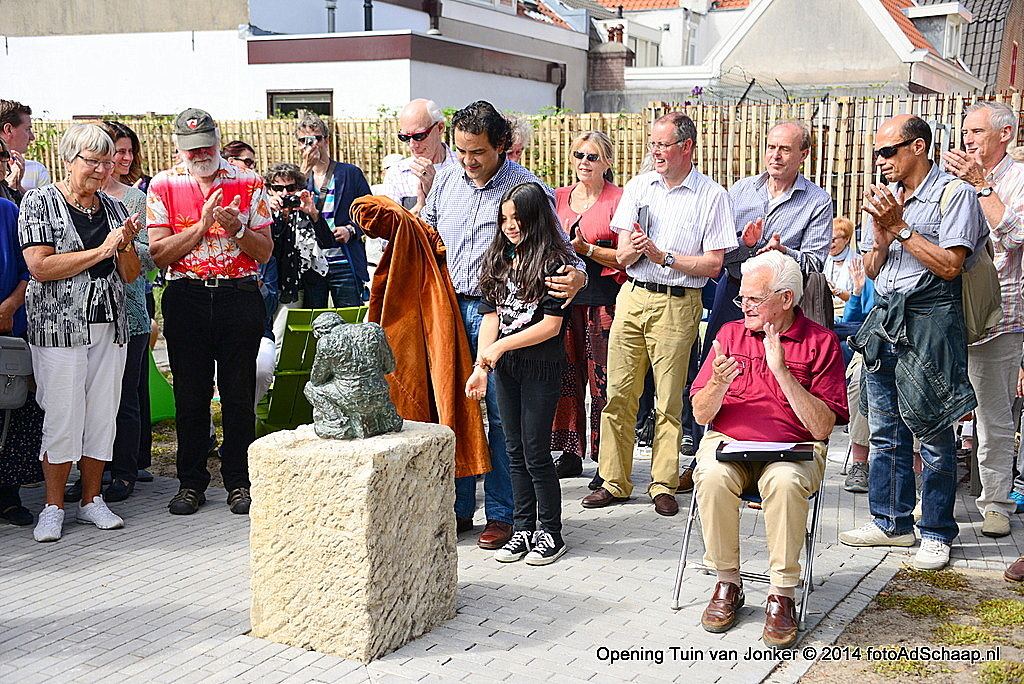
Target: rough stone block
x,y
352,543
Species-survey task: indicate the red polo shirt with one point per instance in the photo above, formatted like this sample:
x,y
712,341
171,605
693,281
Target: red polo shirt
x,y
754,407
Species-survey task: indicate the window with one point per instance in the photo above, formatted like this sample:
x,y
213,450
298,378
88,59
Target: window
x,y
289,102
645,53
1013,66
951,46
691,45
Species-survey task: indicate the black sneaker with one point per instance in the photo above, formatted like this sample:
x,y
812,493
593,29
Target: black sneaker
x,y
686,447
546,549
239,501
515,548
596,483
119,490
186,502
569,465
73,492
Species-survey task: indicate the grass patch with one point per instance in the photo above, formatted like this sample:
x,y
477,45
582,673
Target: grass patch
x,y
1000,612
1001,672
961,635
940,579
909,668
916,605
1016,587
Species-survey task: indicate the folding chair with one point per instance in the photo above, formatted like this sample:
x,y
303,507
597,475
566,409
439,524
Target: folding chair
x,y
285,407
806,572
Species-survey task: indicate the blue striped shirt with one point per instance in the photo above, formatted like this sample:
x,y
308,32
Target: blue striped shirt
x,y
466,217
802,216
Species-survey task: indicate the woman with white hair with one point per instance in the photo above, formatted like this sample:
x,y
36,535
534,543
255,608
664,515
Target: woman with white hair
x,y
79,245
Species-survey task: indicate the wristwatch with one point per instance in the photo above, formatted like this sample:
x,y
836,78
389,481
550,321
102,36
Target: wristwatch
x,y
240,233
670,259
904,234
985,191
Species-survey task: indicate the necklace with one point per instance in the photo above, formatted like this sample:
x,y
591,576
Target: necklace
x,y
88,211
583,200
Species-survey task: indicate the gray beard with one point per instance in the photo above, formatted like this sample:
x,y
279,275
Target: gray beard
x,y
203,169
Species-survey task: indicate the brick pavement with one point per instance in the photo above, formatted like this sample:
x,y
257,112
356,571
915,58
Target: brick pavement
x,y
166,599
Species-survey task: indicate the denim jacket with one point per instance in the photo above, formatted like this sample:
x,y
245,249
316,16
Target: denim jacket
x,y
926,327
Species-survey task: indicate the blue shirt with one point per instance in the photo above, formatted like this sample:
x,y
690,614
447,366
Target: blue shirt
x,y
802,216
13,270
466,217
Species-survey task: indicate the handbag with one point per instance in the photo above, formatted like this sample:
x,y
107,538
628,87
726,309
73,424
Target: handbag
x,y
15,372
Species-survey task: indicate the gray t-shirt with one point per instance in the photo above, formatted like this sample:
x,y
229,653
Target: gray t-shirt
x,y
962,224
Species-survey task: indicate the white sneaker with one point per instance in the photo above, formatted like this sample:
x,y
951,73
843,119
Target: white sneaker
x,y
870,534
933,555
99,515
516,548
50,524
918,511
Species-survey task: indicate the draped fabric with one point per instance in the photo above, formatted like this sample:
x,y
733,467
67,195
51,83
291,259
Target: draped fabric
x,y
412,298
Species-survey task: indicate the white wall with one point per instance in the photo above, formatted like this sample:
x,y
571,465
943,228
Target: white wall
x,y
360,88
451,87
310,16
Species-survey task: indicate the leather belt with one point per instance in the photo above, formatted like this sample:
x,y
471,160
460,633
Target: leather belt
x,y
674,290
249,283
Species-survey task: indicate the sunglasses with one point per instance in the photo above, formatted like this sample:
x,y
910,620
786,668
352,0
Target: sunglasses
x,y
890,151
310,140
249,163
291,187
418,137
589,157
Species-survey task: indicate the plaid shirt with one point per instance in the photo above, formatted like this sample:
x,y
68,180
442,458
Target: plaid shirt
x,y
466,217
401,181
1008,243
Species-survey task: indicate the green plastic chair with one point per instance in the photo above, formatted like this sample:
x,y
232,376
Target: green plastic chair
x,y
285,407
161,395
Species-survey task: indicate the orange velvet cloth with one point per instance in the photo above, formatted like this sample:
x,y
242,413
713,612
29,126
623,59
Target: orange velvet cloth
x,y
412,298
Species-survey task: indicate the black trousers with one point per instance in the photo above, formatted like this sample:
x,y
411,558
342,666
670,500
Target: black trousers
x,y
125,462
204,326
527,408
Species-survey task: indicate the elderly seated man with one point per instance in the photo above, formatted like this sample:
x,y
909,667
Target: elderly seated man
x,y
775,376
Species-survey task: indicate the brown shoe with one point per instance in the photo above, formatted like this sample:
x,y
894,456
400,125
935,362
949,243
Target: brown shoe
x,y
1015,573
780,626
495,535
720,615
685,481
666,504
601,498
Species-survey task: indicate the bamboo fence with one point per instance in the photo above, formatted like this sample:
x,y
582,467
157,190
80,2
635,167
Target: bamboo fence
x,y
730,141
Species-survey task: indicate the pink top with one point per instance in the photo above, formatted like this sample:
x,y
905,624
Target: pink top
x,y
596,222
754,408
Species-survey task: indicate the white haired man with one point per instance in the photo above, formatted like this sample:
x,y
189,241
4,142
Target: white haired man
x,y
989,129
421,126
775,376
209,224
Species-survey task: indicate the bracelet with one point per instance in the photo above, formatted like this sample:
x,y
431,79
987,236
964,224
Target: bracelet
x,y
484,366
590,251
126,248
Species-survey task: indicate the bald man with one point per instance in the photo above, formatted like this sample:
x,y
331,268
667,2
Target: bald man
x,y
420,126
922,231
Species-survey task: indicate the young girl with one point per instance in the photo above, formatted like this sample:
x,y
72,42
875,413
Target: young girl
x,y
520,342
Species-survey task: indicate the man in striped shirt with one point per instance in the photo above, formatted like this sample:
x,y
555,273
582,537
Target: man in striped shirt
x,y
674,227
989,128
463,207
420,126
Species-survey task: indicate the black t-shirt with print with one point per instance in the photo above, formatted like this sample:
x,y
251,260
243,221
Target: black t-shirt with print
x,y
515,315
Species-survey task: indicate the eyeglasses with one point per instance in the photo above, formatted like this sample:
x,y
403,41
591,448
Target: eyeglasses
x,y
93,163
291,187
889,151
589,157
754,302
418,137
660,146
249,162
310,140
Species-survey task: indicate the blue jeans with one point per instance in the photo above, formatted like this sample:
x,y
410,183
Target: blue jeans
x,y
344,291
891,491
498,482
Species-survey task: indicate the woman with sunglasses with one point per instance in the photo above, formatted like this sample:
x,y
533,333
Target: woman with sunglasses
x,y
585,210
239,154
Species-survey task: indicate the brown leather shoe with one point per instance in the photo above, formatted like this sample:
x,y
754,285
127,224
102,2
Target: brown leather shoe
x,y
685,481
495,535
666,504
780,625
720,615
601,498
1015,573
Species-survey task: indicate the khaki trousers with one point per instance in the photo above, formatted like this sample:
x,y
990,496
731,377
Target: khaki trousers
x,y
784,488
650,330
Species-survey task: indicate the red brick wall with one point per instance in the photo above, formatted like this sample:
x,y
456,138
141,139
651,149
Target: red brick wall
x,y
1014,31
606,71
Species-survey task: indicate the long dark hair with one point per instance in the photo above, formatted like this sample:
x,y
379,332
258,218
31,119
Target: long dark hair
x,y
542,248
117,130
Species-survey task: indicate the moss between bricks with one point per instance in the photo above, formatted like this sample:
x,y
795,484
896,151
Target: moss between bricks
x,y
910,668
917,605
940,579
1001,672
1000,612
961,635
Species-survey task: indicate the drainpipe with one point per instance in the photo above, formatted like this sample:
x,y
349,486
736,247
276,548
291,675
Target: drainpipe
x,y
561,81
332,6
367,15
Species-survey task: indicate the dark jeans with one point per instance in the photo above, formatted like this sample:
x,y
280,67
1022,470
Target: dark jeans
x,y
344,291
206,326
527,409
125,462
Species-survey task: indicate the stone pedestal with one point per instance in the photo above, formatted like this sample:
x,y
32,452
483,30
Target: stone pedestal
x,y
352,543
